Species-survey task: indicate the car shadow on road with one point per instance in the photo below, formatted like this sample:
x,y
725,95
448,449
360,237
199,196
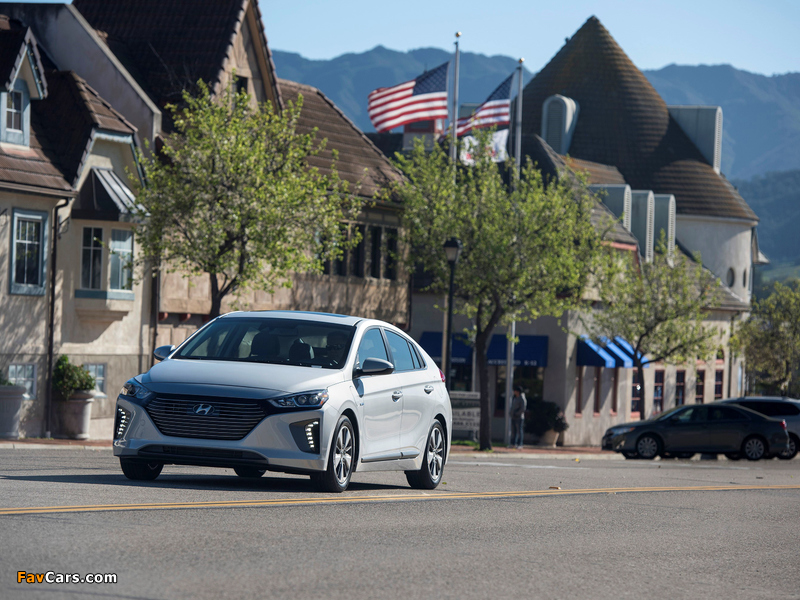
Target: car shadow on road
x,y
230,483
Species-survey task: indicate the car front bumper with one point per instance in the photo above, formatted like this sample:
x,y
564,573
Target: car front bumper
x,y
271,444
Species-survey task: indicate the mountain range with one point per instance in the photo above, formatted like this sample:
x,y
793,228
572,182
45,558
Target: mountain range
x,y
761,114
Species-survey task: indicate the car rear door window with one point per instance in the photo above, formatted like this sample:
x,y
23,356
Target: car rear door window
x,y
401,353
725,413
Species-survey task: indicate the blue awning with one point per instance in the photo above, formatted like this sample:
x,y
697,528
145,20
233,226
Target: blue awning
x,y
530,351
628,349
592,355
622,359
431,342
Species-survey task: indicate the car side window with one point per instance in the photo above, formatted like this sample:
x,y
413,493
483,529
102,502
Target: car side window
x,y
417,353
371,346
699,414
401,353
684,416
782,409
725,413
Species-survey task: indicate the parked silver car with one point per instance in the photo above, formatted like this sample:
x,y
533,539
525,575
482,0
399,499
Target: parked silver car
x,y
308,393
779,407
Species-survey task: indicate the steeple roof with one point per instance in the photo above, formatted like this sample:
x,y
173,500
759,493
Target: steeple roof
x,y
624,122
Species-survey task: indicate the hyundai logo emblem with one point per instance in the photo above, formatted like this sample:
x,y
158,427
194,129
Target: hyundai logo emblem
x,y
203,409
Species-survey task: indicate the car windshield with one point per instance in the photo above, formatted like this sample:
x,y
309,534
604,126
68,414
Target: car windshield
x,y
274,341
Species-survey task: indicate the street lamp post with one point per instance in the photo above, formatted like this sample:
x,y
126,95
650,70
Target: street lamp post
x,y
452,248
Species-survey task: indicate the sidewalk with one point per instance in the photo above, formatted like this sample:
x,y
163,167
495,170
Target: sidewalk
x,y
51,443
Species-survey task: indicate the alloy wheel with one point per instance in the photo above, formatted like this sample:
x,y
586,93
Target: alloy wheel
x,y
435,453
754,448
647,447
343,454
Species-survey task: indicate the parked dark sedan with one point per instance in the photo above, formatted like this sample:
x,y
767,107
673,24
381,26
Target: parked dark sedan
x,y
710,428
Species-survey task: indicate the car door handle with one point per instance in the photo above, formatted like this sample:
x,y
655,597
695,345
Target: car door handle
x,y
428,389
396,395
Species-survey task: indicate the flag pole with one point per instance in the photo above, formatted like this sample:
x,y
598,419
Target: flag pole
x,y
454,118
518,122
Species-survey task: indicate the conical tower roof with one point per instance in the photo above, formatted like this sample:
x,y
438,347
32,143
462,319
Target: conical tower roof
x,y
624,122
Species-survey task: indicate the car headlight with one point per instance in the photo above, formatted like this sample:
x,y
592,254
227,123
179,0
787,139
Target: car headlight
x,y
134,389
313,399
620,430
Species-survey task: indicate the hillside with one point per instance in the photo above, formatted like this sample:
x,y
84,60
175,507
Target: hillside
x,y
761,114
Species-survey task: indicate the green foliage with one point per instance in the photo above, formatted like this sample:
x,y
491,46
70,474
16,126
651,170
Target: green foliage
x,y
545,416
770,338
231,194
659,307
69,378
528,249
4,380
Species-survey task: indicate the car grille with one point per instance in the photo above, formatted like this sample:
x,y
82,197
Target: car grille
x,y
205,418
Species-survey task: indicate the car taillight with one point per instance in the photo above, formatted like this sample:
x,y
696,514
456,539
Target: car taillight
x,y
783,424
441,374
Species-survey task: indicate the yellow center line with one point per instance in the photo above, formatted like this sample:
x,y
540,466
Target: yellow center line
x,y
34,510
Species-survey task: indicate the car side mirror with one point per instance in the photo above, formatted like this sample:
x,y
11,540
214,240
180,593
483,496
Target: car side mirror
x,y
163,352
374,366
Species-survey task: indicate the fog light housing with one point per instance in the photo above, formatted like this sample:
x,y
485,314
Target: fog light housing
x,y
121,422
306,435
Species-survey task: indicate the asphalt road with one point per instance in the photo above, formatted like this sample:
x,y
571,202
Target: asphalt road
x,y
614,529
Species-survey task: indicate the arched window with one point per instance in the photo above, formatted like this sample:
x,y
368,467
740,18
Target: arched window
x,y
744,278
731,277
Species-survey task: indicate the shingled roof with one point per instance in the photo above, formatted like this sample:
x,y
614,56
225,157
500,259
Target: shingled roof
x,y
359,161
167,45
625,123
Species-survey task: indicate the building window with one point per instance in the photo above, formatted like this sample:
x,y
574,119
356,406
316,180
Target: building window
x,y
579,390
636,393
375,258
615,392
92,258
700,386
718,384
14,110
357,255
121,259
98,371
598,388
391,254
680,388
28,252
658,392
24,375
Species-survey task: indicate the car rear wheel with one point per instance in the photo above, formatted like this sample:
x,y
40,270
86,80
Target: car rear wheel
x,y
648,447
754,448
791,451
341,458
249,472
140,470
429,476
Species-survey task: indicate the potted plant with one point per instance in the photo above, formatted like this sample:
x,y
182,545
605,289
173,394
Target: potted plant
x,y
11,397
75,385
546,421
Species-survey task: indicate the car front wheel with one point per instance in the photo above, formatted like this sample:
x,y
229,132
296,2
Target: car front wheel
x,y
791,451
429,476
648,447
140,470
341,459
753,448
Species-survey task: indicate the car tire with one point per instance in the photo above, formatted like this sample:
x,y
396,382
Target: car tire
x,y
430,475
341,459
648,447
684,455
249,472
754,448
630,455
140,470
791,452
733,456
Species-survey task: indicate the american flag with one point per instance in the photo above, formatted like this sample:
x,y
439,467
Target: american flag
x,y
495,111
421,99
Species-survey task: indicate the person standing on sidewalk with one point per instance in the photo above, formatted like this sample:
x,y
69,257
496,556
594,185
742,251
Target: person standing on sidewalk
x,y
518,405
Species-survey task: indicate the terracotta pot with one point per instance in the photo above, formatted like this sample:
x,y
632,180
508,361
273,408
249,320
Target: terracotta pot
x,y
75,415
549,438
11,397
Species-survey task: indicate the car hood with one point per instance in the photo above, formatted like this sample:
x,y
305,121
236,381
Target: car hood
x,y
252,380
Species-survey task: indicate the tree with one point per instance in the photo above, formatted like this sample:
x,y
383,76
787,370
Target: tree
x,y
658,307
528,249
770,338
230,194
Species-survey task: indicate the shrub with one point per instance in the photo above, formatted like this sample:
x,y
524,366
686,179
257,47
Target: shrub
x,y
69,378
4,380
545,416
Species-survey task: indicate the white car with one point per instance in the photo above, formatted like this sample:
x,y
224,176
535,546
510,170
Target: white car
x,y
310,393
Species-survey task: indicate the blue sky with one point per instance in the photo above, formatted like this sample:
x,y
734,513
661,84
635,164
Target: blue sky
x,y
756,36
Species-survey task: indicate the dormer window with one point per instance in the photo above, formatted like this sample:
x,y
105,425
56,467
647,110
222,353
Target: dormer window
x,y
15,124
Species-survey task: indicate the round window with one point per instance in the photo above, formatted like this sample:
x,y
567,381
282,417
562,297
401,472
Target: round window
x,y
744,279
731,279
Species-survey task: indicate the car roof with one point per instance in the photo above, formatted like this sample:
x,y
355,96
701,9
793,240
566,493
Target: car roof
x,y
298,315
763,399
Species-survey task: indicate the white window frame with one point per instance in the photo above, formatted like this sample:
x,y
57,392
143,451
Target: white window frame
x,y
92,249
29,289
124,257
32,379
93,368
9,134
